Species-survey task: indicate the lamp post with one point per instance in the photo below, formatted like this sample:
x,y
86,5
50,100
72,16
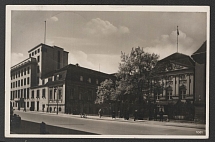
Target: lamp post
x,y
56,91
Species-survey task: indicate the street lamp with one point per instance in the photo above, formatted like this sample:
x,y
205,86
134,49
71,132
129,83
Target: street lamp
x,y
56,91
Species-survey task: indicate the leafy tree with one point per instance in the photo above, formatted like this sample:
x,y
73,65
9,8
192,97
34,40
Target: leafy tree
x,y
134,74
106,92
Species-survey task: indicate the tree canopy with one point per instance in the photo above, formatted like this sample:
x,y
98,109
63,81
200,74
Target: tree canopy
x,y
132,77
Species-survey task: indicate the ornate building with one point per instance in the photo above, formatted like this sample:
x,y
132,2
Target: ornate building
x,y
172,86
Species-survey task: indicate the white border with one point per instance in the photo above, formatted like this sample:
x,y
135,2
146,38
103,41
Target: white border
x,y
9,8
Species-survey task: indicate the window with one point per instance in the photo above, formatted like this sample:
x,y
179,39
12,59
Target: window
x,y
182,93
38,50
38,94
29,55
60,76
44,93
182,77
35,52
81,78
22,82
157,95
89,80
28,70
38,58
32,53
21,72
25,71
27,104
21,93
32,94
18,93
50,79
11,85
50,97
28,80
169,94
25,81
18,83
55,78
27,93
59,94
18,73
43,81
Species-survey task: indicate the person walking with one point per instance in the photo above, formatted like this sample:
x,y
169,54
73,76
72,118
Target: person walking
x,y
135,115
161,115
100,113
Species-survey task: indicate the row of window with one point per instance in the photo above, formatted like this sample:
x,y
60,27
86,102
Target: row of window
x,y
21,82
22,93
89,80
53,96
38,94
182,93
34,52
20,73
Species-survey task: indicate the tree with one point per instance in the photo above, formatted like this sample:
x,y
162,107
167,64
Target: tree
x,y
106,92
133,75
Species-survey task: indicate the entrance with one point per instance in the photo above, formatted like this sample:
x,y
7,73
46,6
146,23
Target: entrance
x,y
32,106
37,105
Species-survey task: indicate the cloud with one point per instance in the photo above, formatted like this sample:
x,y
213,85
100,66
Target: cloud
x,y
16,58
100,27
167,44
54,18
103,62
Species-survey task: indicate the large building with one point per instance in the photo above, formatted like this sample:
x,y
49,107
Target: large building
x,y
200,83
45,82
172,86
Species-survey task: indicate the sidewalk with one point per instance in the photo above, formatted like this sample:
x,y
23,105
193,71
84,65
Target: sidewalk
x,y
149,122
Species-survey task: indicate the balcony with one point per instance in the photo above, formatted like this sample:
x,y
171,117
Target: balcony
x,y
26,61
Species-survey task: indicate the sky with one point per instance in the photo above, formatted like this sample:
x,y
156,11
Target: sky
x,y
95,39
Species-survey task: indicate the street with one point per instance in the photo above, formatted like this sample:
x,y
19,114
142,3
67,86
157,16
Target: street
x,y
106,127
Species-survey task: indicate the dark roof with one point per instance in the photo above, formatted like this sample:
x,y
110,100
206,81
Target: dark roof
x,y
202,49
71,66
178,58
50,83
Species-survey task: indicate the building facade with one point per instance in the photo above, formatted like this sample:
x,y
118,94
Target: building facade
x,y
200,83
28,90
45,82
172,87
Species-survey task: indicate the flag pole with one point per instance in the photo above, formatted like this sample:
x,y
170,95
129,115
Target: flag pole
x,y
45,34
177,38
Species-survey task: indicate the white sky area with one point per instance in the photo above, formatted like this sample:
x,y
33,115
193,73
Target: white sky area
x,y
96,39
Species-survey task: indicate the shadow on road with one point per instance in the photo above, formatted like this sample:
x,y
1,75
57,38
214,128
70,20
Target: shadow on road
x,y
28,127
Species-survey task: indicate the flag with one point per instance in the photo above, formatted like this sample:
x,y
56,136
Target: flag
x,y
177,31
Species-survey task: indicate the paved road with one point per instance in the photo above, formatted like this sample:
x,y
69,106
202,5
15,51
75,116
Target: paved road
x,y
106,127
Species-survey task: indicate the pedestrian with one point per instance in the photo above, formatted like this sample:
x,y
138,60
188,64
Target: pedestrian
x,y
135,115
155,114
100,113
161,115
113,115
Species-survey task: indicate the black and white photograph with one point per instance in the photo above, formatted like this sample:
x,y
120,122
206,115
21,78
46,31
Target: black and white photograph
x,y
99,71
